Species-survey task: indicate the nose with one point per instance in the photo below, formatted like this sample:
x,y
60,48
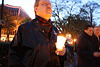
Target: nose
x,y
49,6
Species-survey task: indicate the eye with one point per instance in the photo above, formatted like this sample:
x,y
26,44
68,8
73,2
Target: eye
x,y
44,4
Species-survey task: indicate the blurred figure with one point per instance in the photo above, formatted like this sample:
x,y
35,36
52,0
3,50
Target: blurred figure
x,y
97,31
34,43
85,48
97,43
99,36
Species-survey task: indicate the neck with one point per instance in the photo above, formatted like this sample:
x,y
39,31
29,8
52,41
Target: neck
x,y
45,18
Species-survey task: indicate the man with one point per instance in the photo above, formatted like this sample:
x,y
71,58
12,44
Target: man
x,y
34,44
97,31
85,48
97,43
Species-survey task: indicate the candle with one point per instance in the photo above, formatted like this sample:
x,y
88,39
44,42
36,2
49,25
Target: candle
x,y
60,42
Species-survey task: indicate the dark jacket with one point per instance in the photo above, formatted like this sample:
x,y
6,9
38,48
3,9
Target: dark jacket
x,y
32,47
85,49
97,44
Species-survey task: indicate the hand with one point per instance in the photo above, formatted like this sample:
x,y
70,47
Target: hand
x,y
96,54
61,52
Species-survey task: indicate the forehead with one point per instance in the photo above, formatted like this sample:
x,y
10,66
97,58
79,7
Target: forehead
x,y
90,28
96,28
41,1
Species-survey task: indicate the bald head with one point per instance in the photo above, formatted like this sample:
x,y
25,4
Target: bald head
x,y
97,31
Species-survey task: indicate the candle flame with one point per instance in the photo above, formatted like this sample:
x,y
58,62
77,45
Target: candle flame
x,y
60,42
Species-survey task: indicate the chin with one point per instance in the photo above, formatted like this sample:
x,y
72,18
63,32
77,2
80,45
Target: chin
x,y
49,15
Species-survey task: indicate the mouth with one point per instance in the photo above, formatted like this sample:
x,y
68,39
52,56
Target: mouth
x,y
49,10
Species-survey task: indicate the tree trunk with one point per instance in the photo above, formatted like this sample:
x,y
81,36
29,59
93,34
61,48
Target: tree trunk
x,y
91,16
7,35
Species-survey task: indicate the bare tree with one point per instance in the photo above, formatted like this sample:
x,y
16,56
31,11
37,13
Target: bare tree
x,y
89,8
62,10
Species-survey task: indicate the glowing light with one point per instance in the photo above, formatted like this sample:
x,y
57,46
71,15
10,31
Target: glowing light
x,y
3,39
74,40
10,39
71,42
68,36
99,47
60,42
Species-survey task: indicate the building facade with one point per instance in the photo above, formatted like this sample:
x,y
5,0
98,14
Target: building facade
x,y
17,12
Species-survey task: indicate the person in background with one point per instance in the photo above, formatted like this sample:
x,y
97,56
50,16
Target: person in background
x,y
34,43
85,48
97,43
99,35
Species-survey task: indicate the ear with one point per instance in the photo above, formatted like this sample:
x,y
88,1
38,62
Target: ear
x,y
85,30
35,9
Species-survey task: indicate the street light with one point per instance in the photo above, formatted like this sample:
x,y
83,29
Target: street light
x,y
1,17
2,9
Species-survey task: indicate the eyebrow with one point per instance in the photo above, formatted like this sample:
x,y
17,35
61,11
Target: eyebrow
x,y
46,2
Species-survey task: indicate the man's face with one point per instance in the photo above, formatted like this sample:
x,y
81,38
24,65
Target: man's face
x,y
89,31
44,9
97,31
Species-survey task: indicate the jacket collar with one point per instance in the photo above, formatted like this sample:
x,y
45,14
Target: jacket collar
x,y
42,19
87,35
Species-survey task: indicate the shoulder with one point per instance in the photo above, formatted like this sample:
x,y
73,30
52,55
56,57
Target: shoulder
x,y
81,37
27,24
